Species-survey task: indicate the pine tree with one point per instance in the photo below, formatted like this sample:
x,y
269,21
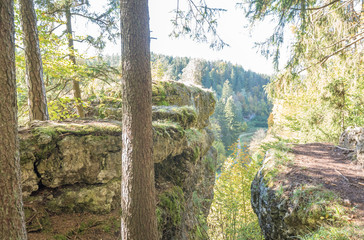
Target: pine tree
x,y
12,225
227,91
138,220
37,99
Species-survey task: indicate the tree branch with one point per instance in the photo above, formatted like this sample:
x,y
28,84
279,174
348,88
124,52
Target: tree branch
x,y
89,17
208,22
50,31
317,8
342,40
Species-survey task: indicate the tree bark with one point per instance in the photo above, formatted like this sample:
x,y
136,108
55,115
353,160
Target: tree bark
x,y
75,83
37,99
138,191
12,224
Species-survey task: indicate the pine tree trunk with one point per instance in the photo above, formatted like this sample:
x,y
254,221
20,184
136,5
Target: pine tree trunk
x,y
12,225
37,100
138,190
75,83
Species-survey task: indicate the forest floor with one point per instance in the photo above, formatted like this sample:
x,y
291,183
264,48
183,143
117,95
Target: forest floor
x,y
79,226
329,166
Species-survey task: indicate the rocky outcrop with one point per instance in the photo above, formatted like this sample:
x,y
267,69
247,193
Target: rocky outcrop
x,y
288,202
75,166
184,104
352,139
271,209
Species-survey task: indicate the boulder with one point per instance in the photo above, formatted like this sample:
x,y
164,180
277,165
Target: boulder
x,y
353,139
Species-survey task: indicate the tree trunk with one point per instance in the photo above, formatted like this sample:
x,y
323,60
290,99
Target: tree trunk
x,y
75,83
37,99
138,191
12,224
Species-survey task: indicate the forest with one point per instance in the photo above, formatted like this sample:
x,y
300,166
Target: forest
x,y
202,149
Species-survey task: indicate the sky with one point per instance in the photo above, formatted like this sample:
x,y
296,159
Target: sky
x,y
231,28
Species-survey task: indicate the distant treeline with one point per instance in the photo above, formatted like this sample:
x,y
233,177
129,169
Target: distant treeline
x,y
241,98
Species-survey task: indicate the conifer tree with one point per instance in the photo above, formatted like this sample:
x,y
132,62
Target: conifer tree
x,y
138,221
37,99
227,91
12,225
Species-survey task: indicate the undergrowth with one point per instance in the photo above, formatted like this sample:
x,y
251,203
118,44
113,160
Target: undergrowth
x,y
231,215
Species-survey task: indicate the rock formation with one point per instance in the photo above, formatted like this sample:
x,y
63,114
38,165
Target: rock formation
x,y
353,140
291,196
75,166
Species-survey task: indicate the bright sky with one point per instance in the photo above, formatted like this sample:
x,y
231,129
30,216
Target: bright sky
x,y
231,29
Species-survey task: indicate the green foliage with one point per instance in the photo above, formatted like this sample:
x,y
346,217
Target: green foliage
x,y
317,206
227,91
279,144
58,70
323,214
231,215
319,93
221,152
287,12
335,233
60,237
62,108
201,228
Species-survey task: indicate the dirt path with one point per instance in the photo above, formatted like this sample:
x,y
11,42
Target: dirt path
x,y
320,163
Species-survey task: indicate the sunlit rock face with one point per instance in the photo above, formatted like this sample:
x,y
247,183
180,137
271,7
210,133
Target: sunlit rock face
x,y
353,139
75,166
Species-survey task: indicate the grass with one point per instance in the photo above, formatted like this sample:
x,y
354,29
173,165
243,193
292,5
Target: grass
x,y
335,233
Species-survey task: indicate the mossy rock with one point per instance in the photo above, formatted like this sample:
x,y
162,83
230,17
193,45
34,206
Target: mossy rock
x,y
167,93
185,116
99,199
188,105
76,127
77,164
287,210
170,208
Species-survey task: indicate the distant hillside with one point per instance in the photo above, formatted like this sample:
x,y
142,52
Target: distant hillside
x,y
242,101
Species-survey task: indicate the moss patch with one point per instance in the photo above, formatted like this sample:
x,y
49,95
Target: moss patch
x,y
55,129
159,94
168,129
186,116
169,211
315,206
